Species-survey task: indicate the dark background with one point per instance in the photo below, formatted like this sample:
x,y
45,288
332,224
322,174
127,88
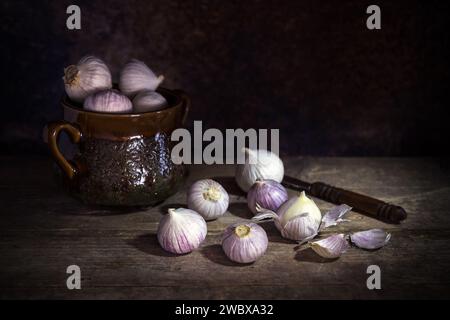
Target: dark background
x,y
310,68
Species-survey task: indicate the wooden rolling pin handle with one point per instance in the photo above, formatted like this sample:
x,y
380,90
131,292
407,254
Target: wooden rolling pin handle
x,y
359,202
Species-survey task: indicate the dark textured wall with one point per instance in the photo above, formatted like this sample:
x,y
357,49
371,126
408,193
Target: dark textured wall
x,y
310,68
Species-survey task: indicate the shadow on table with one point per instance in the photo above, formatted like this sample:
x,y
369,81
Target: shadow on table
x,y
215,254
80,209
148,243
240,209
273,234
308,255
229,183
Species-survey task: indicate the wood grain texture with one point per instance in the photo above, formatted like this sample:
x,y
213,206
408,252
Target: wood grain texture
x,y
43,230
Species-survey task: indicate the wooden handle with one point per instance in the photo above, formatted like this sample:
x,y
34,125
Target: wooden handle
x,y
373,207
54,129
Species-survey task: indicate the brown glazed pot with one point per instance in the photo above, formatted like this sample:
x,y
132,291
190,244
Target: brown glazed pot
x,y
123,159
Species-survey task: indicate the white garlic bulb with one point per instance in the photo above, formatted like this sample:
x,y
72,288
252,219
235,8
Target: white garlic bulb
x,y
181,231
297,219
147,100
88,76
244,242
208,198
136,76
259,164
108,101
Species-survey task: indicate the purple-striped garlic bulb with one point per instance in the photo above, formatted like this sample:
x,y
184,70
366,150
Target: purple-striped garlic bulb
x,y
136,77
88,76
181,231
244,242
147,101
266,193
108,101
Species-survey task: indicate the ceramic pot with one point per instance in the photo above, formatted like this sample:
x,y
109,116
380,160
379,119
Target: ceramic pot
x,y
122,159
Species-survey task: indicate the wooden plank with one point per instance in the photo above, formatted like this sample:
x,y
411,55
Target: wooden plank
x,y
43,231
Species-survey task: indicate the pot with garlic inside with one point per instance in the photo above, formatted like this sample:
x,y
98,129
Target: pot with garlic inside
x,y
120,158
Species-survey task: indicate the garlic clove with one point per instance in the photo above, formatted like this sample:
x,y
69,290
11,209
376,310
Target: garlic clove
x,y
136,76
370,239
259,164
88,76
331,247
146,101
181,231
299,205
297,219
108,101
299,228
244,242
334,216
208,198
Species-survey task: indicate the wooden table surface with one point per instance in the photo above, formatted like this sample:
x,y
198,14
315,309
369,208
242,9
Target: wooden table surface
x,y
43,231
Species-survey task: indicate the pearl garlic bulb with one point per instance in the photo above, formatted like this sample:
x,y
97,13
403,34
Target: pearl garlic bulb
x,y
259,164
181,231
244,242
110,101
208,198
146,101
136,76
88,76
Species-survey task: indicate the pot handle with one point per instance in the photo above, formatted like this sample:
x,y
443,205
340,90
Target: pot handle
x,y
54,129
186,103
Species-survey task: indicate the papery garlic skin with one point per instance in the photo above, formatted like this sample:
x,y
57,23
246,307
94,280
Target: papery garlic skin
x,y
88,76
297,219
181,231
334,216
268,194
136,76
331,247
244,242
108,101
208,198
259,164
146,101
370,239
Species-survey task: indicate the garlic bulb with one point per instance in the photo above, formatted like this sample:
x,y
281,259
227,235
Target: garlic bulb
x,y
208,198
297,219
147,100
244,242
108,101
259,164
88,76
181,231
331,247
268,194
136,76
370,239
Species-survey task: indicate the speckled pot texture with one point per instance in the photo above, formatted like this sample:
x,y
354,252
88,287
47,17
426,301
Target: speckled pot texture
x,y
122,159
